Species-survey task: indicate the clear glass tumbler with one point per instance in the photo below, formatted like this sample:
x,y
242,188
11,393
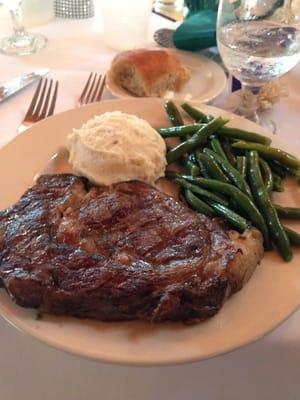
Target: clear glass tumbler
x,y
20,42
126,22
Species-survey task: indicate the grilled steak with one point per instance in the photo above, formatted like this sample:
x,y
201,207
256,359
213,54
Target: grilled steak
x,y
122,252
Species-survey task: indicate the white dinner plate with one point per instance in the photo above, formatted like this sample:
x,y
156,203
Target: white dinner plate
x,y
208,80
270,296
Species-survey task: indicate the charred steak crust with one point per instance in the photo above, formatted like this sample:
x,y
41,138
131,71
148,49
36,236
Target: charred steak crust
x,y
113,253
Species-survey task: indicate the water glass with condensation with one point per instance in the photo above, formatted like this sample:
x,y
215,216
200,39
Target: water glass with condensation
x,y
125,22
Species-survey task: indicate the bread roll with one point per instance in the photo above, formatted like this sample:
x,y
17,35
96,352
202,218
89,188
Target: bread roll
x,y
149,73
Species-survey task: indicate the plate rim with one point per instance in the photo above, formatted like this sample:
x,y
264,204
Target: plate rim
x,y
162,363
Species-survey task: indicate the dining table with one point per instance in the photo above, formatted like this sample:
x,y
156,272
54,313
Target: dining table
x,y
267,369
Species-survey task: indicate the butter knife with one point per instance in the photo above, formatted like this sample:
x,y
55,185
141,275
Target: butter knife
x,y
15,85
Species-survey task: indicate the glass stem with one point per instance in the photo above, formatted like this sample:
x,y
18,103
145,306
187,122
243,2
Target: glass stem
x,y
18,26
249,102
288,15
288,5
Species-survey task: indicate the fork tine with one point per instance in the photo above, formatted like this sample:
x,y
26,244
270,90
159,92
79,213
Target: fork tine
x,y
88,96
94,95
41,100
85,88
53,102
34,100
46,102
101,89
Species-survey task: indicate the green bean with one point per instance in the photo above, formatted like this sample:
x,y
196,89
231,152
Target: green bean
x,y
277,168
217,147
241,165
203,169
245,204
244,135
293,236
294,172
234,206
179,131
173,113
229,153
265,205
197,139
232,173
284,170
267,174
237,221
193,158
194,113
212,167
197,204
269,153
169,174
287,212
191,167
200,191
277,183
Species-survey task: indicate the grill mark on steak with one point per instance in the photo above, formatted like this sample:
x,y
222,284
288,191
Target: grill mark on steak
x,y
113,253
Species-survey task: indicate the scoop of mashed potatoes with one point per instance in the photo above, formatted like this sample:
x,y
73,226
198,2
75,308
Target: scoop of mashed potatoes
x,y
117,147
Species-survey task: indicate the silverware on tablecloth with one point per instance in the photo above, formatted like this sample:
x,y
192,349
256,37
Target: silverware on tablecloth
x,y
42,104
15,85
92,90
163,15
164,37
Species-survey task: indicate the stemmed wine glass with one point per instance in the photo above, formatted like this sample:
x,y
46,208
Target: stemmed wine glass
x,y
258,42
20,42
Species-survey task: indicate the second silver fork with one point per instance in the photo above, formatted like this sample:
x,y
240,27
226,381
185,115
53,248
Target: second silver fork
x,y
42,104
92,90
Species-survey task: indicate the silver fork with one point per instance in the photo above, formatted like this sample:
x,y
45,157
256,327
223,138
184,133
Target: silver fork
x,y
92,90
42,104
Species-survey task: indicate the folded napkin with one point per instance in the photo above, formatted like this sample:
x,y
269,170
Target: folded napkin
x,y
197,32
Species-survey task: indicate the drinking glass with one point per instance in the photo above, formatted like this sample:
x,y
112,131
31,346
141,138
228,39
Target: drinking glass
x,y
20,42
126,22
169,6
37,12
258,42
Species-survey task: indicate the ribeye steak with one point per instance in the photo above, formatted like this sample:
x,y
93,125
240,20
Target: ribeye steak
x,y
118,253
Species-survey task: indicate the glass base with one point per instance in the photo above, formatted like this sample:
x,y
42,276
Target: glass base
x,y
22,45
234,103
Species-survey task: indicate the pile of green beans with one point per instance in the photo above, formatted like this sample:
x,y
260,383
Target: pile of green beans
x,y
231,173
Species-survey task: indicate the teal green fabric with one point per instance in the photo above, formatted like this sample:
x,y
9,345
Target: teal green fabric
x,y
197,32
197,5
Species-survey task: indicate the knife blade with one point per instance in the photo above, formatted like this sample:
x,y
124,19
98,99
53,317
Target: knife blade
x,y
15,85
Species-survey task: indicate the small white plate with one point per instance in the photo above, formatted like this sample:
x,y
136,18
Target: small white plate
x,y
270,296
208,80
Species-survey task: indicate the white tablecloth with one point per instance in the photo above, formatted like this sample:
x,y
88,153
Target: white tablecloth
x,y
29,370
